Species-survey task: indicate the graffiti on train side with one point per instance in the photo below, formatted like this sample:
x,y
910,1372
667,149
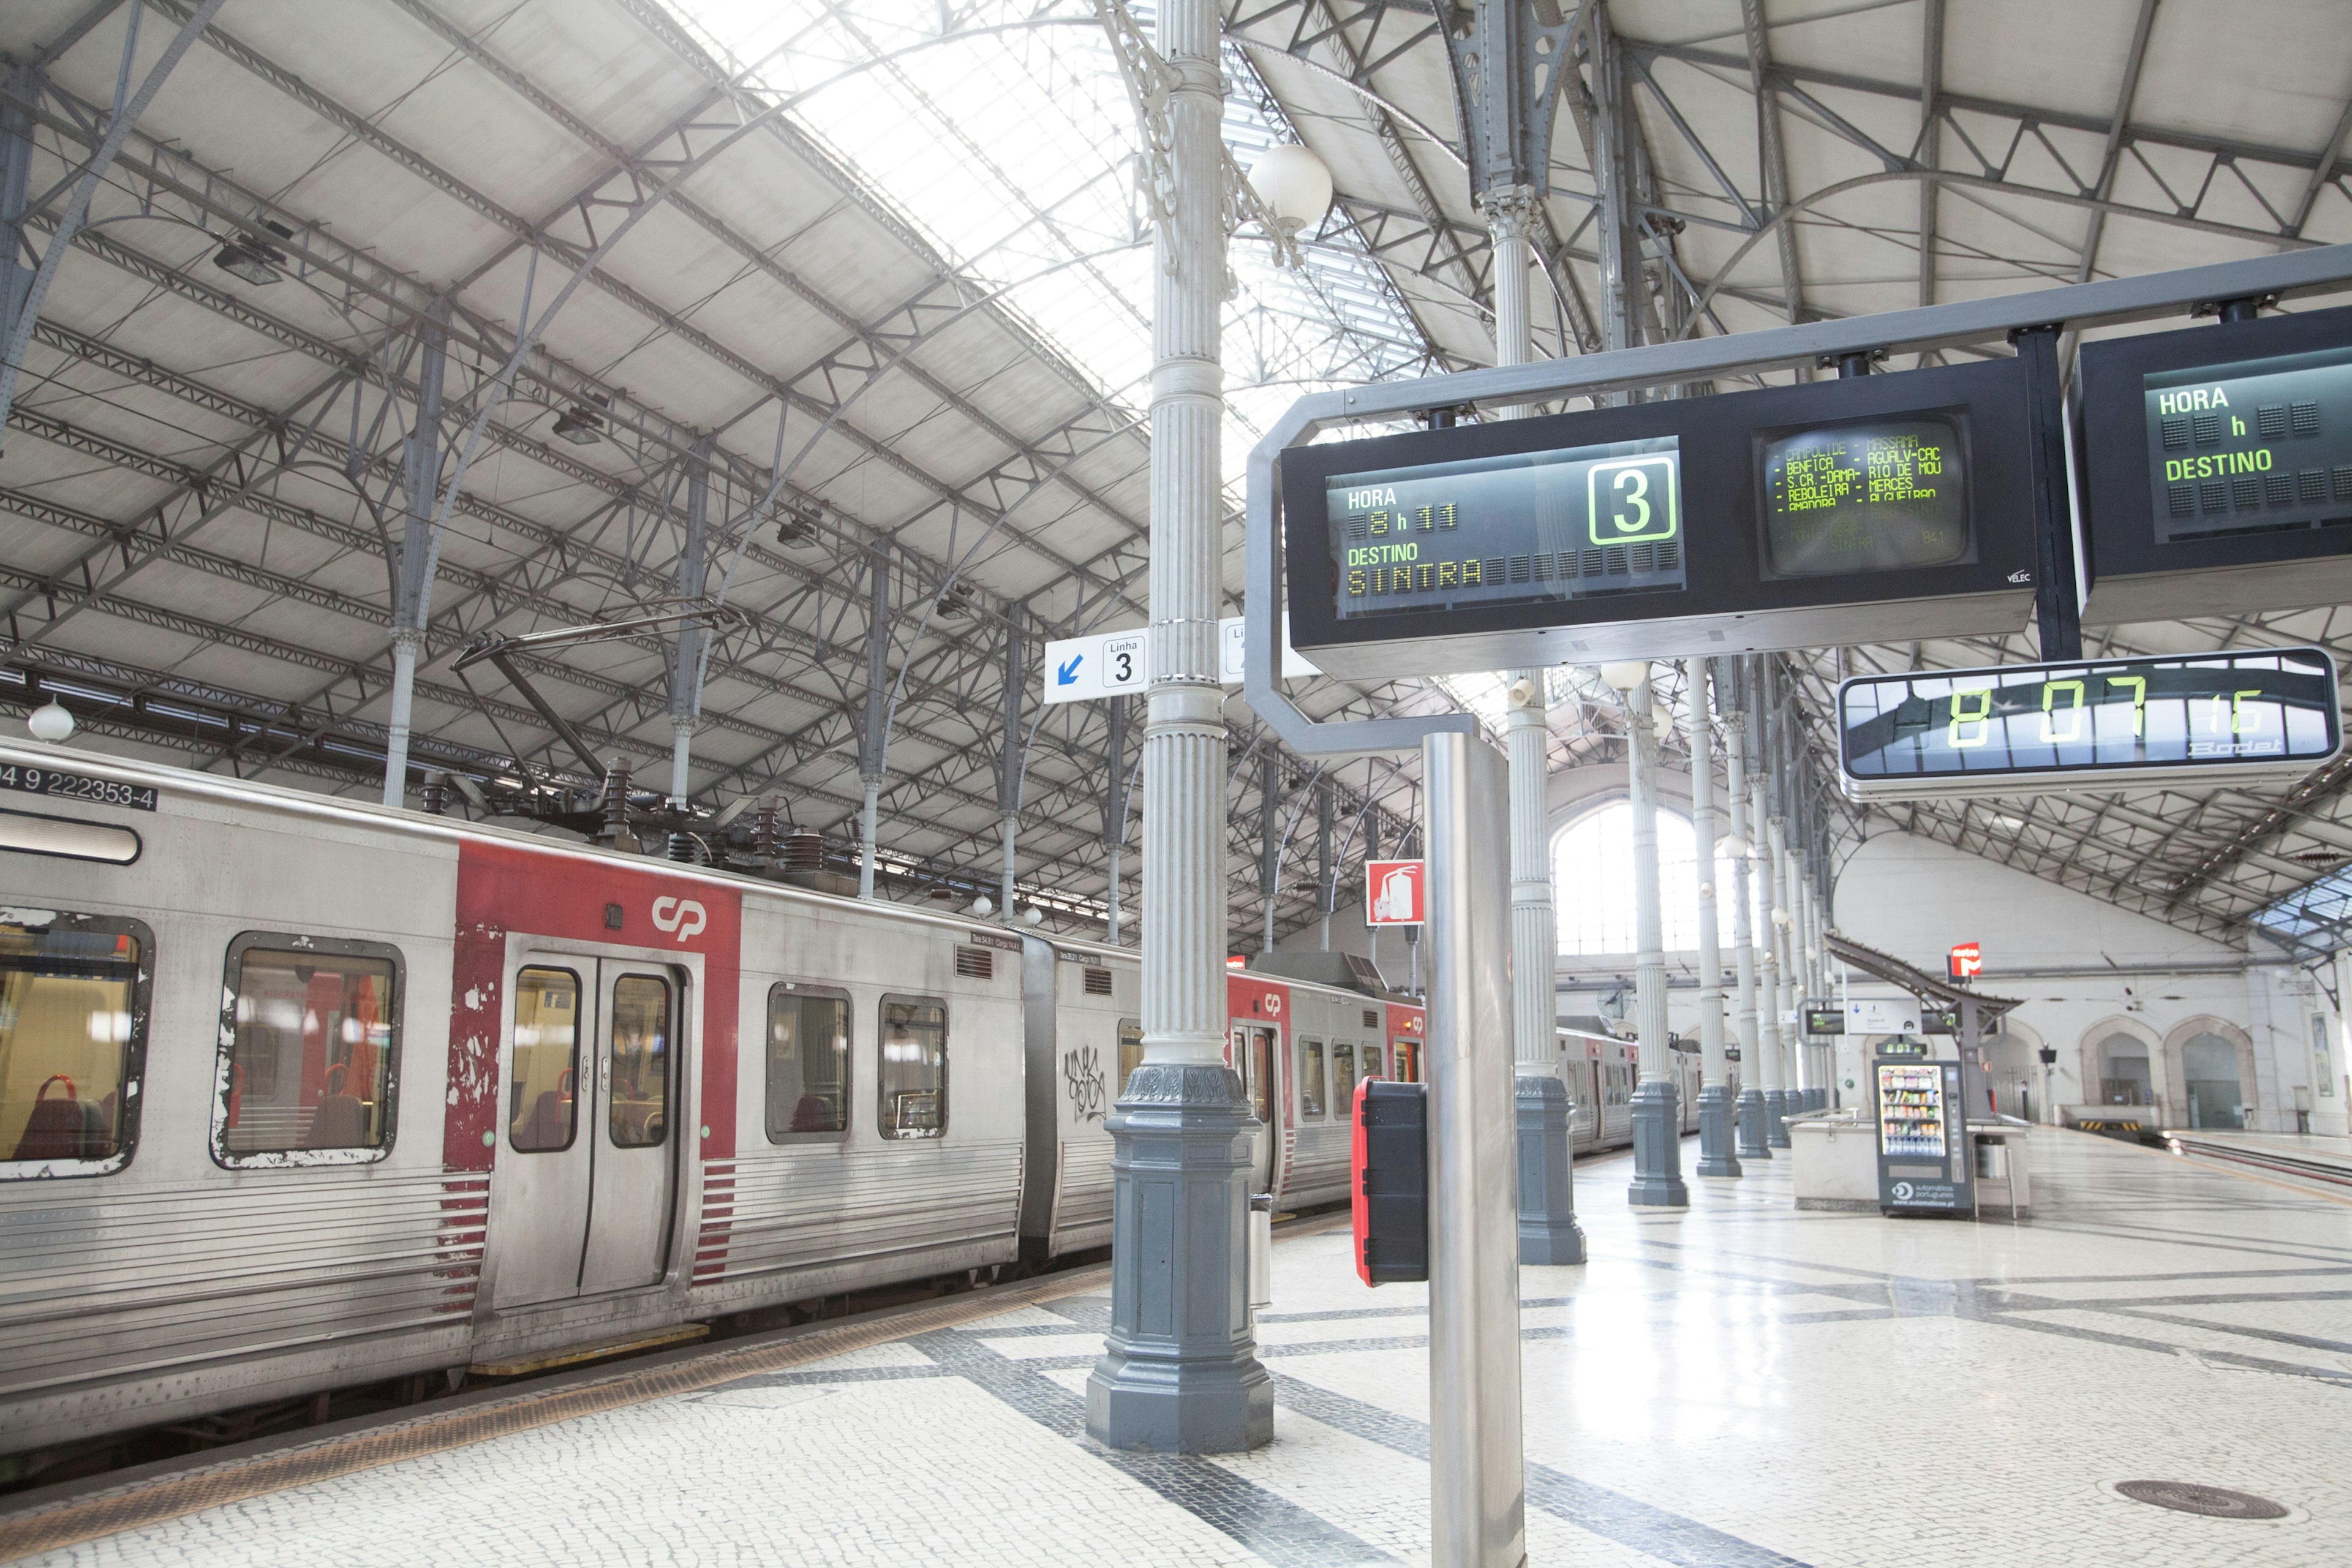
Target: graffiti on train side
x,y
1082,1080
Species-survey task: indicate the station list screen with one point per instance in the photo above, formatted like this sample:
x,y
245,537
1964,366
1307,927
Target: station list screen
x,y
1880,494
1527,527
2259,446
2276,706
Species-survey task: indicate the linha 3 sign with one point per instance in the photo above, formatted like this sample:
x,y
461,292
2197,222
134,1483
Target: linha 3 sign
x,y
1111,664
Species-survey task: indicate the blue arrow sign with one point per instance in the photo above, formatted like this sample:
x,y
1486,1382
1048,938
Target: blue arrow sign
x,y
1067,674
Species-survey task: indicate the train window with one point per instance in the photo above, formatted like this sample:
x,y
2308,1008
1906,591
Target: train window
x,y
1310,1077
808,1063
914,1076
73,1033
1370,1065
1343,1073
1130,1050
540,1102
311,1038
636,1104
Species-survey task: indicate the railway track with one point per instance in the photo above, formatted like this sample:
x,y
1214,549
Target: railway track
x,y
2330,1170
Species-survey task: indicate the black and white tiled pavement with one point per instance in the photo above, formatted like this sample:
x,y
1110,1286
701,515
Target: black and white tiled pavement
x,y
1741,1385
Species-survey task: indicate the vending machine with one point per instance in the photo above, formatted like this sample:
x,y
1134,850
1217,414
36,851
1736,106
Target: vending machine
x,y
1923,1163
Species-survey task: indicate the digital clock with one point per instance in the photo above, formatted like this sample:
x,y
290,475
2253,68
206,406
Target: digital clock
x,y
2101,724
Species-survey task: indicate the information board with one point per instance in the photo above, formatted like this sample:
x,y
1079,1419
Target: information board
x,y
1830,512
2217,469
2101,723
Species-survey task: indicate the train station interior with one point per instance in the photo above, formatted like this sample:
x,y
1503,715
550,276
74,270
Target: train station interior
x,y
1462,783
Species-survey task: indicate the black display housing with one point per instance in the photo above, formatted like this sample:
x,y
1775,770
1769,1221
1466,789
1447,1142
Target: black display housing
x,y
1731,601
2289,555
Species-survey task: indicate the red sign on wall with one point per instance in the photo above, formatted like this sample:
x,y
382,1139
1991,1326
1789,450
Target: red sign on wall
x,y
1392,893
1967,961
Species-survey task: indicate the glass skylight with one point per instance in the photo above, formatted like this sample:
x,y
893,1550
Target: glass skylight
x,y
1009,141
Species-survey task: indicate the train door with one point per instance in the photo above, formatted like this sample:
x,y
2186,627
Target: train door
x,y
586,1186
1254,1059
1407,1056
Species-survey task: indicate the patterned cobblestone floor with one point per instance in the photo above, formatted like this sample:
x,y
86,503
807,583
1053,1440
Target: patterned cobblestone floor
x,y
1740,1384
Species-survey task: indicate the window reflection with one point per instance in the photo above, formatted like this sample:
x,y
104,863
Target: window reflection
x,y
539,1110
914,1076
68,1018
637,1107
310,1051
808,1063
1310,1077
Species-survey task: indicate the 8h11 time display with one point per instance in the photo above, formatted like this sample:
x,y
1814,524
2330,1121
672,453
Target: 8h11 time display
x,y
2101,723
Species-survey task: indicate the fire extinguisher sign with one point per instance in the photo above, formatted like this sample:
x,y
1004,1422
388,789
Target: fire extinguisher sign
x,y
1392,893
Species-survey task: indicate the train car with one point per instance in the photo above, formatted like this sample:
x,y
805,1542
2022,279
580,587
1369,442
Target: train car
x,y
1601,1071
299,1094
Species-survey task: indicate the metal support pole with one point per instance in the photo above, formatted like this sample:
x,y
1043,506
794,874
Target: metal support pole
x,y
1477,1468
1327,872
25,86
420,477
1752,1144
1760,795
1114,821
1715,1108
1657,1124
1180,1371
1008,761
686,654
1269,836
874,737
1547,1229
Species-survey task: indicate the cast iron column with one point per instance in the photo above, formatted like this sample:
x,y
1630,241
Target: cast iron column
x,y
1785,959
1657,1128
1180,1371
411,606
1768,985
874,735
1715,1157
1742,847
1547,1229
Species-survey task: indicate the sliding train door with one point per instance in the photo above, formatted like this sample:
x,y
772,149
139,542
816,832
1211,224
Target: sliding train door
x,y
585,1189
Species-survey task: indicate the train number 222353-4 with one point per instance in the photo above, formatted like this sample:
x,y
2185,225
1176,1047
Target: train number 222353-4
x,y
55,783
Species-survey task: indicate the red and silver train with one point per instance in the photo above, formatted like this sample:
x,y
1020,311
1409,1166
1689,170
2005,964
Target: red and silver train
x,y
297,1094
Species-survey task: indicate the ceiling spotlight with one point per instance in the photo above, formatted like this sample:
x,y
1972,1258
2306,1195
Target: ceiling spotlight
x,y
50,721
252,257
796,529
956,600
580,424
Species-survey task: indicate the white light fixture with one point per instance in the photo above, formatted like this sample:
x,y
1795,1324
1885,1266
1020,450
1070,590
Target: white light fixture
x,y
1780,919
1295,184
983,905
1623,675
1033,915
1733,844
50,722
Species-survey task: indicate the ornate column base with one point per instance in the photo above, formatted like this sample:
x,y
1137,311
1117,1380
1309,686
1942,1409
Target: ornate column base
x,y
1714,1117
1657,1149
1778,1104
1547,1229
1753,1142
1180,1373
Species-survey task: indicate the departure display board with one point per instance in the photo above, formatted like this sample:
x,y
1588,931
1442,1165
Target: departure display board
x,y
1875,496
1829,512
2257,447
2216,468
1531,526
2105,724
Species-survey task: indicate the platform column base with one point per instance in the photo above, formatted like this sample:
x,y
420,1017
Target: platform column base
x,y
1715,1132
1749,1115
1779,1103
1180,1373
1657,1149
1547,1229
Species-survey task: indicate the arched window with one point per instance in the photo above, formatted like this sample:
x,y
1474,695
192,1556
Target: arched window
x,y
1592,883
2216,1099
2122,1072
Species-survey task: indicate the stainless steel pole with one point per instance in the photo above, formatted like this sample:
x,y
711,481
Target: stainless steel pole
x,y
1180,1371
1476,1467
1715,1156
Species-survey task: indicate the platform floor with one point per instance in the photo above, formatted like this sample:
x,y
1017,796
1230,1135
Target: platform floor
x,y
1740,1384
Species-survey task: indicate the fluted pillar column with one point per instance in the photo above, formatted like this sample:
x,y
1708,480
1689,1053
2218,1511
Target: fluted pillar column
x,y
1742,850
1657,1127
1180,1371
1715,1156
